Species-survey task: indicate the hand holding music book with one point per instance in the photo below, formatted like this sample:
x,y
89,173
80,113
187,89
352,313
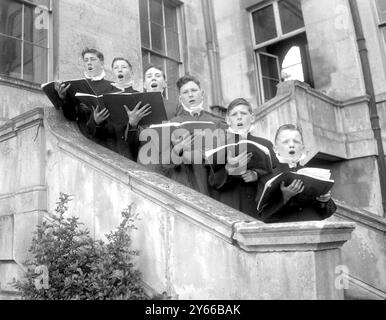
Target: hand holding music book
x,y
75,85
261,157
115,102
316,183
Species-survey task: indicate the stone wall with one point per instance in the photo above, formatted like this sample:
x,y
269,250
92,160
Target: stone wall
x,y
239,78
23,191
364,256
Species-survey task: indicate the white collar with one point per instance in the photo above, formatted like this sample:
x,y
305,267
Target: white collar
x,y
97,78
291,164
123,86
243,133
194,110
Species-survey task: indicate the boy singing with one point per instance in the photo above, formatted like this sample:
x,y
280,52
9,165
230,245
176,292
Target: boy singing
x,y
285,206
238,189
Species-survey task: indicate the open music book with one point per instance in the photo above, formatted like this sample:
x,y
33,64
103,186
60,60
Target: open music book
x,y
316,182
115,102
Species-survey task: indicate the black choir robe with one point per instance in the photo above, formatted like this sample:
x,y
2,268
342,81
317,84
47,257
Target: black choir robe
x,y
194,176
73,110
295,209
232,189
113,136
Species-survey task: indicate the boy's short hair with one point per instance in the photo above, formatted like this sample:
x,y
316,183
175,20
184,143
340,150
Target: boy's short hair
x,y
239,102
121,59
149,66
289,126
185,79
93,51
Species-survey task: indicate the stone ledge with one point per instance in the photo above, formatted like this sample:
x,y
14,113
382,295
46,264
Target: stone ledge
x,y
299,236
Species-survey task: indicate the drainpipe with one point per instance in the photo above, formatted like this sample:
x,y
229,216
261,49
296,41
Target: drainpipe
x,y
212,49
374,117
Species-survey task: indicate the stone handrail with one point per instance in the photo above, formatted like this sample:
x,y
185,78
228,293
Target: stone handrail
x,y
336,129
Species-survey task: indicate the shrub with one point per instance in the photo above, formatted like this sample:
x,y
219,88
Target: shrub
x,y
79,267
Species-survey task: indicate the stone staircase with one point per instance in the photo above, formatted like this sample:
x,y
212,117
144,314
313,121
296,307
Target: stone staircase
x,y
53,157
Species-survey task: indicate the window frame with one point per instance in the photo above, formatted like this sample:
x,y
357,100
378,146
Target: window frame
x,y
180,31
280,36
260,73
257,47
48,57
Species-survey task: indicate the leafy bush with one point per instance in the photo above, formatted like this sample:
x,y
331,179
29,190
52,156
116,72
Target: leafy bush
x,y
78,266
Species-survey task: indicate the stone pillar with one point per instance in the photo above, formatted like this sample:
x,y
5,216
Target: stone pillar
x,y
23,192
296,260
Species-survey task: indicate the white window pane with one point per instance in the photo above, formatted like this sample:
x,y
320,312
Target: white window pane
x,y
292,68
292,57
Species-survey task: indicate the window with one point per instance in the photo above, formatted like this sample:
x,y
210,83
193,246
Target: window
x,y
280,45
381,8
160,39
24,29
292,67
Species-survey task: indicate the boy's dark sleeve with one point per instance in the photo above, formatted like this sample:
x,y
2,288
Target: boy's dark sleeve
x,y
219,177
131,137
325,209
92,128
69,107
274,205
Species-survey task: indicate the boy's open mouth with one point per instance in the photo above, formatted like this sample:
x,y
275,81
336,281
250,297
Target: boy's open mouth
x,y
154,85
292,152
120,76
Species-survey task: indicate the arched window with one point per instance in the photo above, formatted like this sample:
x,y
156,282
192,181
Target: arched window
x,y
292,67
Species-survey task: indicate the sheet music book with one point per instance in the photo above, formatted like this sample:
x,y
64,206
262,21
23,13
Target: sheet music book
x,y
316,182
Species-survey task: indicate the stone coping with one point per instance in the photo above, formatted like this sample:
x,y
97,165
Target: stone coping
x,y
229,224
361,216
294,236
